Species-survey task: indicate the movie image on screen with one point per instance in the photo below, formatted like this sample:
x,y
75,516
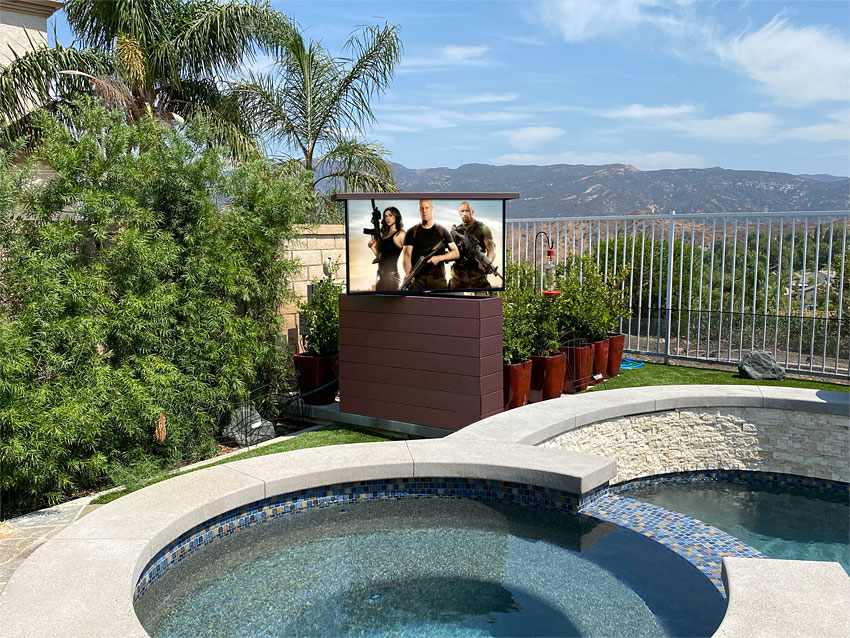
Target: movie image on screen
x,y
406,246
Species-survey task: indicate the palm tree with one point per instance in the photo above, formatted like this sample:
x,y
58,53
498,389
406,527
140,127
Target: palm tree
x,y
160,57
315,106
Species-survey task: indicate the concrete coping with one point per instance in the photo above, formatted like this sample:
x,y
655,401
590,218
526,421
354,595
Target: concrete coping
x,y
81,582
789,598
538,422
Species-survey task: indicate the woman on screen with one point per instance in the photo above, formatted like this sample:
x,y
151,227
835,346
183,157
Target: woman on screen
x,y
388,250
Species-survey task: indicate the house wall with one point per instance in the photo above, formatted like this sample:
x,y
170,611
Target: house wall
x,y
22,18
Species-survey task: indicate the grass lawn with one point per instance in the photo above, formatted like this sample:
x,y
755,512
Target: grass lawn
x,y
659,374
331,435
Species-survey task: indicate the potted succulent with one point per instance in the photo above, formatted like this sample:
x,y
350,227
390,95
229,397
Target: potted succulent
x,y
518,335
317,367
547,361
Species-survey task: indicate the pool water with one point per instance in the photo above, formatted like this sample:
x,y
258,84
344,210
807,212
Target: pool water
x,y
432,567
779,521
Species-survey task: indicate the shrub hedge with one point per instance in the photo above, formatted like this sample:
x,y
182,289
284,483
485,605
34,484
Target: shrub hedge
x,y
139,283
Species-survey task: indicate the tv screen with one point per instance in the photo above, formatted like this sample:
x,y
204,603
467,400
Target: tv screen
x,y
420,243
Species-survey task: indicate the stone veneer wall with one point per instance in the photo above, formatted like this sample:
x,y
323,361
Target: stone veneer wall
x,y
767,440
312,248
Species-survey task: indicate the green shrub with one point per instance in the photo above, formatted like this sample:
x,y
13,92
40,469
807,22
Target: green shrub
x,y
142,280
589,306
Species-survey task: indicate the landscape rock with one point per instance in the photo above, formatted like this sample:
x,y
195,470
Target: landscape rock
x,y
760,365
247,427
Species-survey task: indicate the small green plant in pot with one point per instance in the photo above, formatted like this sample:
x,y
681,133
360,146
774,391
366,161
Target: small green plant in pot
x,y
317,367
518,334
572,319
547,361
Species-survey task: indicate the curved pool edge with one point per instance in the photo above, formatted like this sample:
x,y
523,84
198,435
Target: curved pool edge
x,y
789,598
538,422
81,582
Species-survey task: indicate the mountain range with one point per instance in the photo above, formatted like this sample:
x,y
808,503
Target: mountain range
x,y
565,190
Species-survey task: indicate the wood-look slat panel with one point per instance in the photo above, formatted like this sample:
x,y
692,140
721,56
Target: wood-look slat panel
x,y
448,382
417,342
422,397
427,361
402,323
461,307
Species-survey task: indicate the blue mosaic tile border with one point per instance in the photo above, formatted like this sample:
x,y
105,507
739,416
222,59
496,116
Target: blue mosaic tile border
x,y
700,544
291,503
734,476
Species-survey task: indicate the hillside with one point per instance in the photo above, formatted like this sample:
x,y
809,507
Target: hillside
x,y
614,189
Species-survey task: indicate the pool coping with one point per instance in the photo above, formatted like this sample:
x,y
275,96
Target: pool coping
x,y
81,582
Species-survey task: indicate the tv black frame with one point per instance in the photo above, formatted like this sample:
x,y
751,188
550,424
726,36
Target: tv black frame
x,y
345,197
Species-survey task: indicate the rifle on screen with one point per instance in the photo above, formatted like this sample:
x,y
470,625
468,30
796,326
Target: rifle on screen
x,y
421,262
375,231
468,245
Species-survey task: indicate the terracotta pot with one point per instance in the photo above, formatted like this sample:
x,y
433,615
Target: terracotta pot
x,y
578,362
615,354
547,377
314,372
600,361
517,379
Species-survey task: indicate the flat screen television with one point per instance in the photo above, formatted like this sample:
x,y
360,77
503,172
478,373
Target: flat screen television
x,y
424,243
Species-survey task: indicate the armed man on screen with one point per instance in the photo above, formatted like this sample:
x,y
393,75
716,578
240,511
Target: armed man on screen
x,y
478,252
426,247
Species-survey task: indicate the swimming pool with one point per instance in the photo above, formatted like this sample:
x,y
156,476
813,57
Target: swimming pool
x,y
422,567
781,521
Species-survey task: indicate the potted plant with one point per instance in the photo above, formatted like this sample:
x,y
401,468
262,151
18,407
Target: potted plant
x,y
578,355
317,367
547,361
619,309
517,335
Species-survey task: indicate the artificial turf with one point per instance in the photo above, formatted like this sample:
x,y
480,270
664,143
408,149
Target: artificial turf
x,y
331,435
659,374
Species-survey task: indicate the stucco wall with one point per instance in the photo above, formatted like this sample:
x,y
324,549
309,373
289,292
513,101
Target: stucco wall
x,y
20,18
793,442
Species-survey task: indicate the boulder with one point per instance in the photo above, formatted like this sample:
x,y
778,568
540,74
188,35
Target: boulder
x,y
760,365
247,427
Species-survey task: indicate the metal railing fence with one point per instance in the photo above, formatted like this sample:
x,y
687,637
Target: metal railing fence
x,y
712,287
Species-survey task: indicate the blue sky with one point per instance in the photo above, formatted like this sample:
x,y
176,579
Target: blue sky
x,y
656,84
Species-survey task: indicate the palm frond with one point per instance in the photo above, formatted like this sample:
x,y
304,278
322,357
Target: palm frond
x,y
212,37
264,105
375,54
357,167
33,80
222,111
98,24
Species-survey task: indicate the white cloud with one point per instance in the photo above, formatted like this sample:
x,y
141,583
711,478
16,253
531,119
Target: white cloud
x,y
795,65
580,20
447,56
426,118
737,127
532,137
484,98
641,112
836,130
643,161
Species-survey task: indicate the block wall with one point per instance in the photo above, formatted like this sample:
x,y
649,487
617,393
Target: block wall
x,y
766,440
312,248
